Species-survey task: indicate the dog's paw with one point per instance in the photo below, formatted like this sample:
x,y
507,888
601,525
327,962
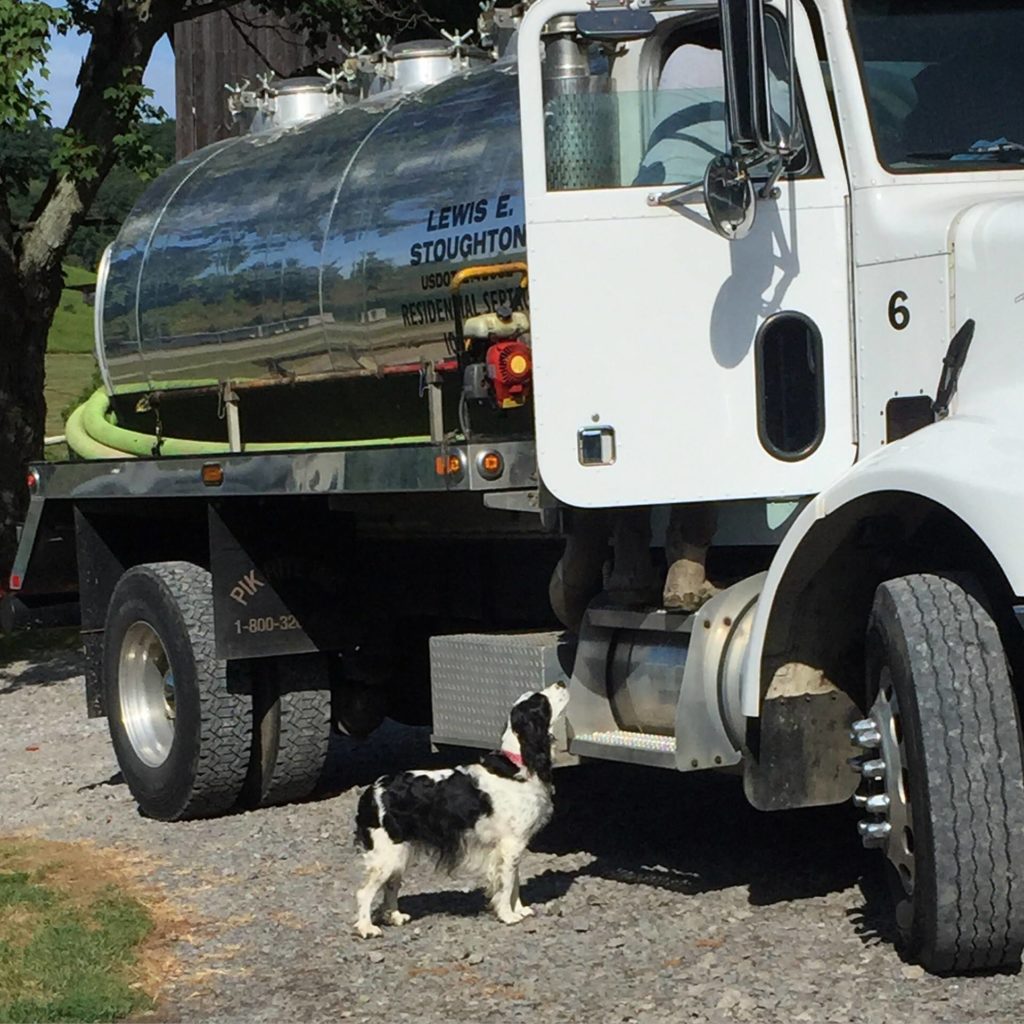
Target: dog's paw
x,y
397,918
368,930
510,917
524,911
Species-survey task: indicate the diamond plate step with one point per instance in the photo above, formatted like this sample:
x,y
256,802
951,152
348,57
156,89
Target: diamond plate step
x,y
629,747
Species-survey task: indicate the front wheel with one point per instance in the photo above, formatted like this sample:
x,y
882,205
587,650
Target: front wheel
x,y
943,781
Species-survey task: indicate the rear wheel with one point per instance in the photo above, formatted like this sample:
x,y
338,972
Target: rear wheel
x,y
291,728
180,729
943,776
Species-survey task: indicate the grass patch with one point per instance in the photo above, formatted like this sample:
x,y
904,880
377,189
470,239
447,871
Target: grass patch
x,y
69,378
72,328
75,275
69,936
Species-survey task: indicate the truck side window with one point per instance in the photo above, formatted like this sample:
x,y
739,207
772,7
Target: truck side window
x,y
689,111
602,134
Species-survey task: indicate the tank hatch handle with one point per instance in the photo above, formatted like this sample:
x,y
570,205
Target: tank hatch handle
x,y
952,363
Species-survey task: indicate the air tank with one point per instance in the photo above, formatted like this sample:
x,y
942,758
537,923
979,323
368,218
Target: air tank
x,y
325,246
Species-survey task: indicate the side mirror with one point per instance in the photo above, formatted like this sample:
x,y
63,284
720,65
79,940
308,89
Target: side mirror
x,y
746,74
754,132
615,26
729,197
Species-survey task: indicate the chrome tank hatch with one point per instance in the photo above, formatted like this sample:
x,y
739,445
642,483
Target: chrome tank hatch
x,y
282,103
425,62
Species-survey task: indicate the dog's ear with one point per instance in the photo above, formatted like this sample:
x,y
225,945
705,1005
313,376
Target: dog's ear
x,y
531,722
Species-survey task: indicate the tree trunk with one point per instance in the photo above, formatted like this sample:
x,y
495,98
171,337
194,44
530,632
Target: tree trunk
x,y
123,35
26,317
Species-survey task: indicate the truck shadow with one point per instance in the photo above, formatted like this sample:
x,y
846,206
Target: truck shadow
x,y
697,833
391,748
55,669
692,834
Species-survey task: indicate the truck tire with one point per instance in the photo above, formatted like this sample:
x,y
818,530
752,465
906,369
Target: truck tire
x,y
291,729
180,732
943,776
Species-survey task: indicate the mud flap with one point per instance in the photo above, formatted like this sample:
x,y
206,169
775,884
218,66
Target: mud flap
x,y
802,744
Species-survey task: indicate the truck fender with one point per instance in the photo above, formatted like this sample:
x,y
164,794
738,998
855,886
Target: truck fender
x,y
972,468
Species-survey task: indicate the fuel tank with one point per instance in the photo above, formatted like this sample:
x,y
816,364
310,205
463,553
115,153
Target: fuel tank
x,y
325,247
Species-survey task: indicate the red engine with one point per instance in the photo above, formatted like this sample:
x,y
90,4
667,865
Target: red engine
x,y
509,369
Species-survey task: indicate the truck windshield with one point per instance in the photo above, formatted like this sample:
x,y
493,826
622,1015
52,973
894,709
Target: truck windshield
x,y
944,81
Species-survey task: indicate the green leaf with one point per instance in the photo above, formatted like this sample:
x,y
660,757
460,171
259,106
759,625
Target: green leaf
x,y
26,27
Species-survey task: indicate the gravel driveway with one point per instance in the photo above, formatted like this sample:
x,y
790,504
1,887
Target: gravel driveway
x,y
659,897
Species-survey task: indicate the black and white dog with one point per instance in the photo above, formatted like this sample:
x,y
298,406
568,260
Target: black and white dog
x,y
477,816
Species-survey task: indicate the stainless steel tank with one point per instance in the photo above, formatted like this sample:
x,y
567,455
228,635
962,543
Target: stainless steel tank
x,y
326,247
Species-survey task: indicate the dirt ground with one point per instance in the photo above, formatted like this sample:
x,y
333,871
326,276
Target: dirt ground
x,y
659,897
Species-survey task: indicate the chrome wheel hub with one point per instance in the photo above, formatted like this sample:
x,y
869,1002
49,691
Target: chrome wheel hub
x,y
884,792
146,687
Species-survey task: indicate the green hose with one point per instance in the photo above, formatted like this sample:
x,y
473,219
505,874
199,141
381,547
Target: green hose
x,y
92,434
81,443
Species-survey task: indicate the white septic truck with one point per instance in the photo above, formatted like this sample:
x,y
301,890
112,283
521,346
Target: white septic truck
x,y
673,347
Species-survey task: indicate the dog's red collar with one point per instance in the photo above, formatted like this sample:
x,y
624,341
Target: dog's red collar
x,y
516,759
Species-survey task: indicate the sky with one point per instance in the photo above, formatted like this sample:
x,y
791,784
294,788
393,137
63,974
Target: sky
x,y
66,57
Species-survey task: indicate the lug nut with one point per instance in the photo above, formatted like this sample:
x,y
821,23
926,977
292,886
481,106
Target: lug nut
x,y
865,733
874,833
877,803
869,767
868,738
873,769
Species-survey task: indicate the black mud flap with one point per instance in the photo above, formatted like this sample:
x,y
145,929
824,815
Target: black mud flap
x,y
802,751
276,589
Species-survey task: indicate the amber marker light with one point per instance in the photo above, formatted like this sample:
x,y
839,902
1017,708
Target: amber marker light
x,y
490,465
448,465
213,474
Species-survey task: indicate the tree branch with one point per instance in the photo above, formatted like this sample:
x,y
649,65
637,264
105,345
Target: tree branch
x,y
186,12
240,25
123,37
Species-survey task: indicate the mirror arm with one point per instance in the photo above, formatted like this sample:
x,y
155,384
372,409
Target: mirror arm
x,y
673,195
769,189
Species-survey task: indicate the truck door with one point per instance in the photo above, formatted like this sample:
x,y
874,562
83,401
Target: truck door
x,y
671,364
